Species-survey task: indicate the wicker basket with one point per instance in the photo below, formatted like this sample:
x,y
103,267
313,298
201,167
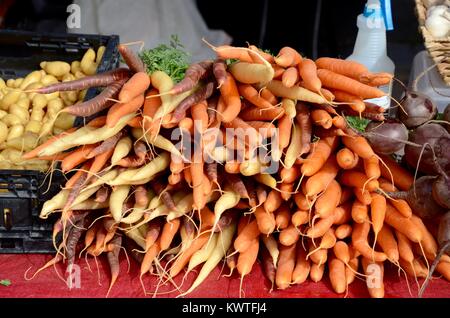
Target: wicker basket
x,y
438,48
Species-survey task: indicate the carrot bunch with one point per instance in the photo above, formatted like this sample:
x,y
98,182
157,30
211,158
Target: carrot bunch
x,y
162,173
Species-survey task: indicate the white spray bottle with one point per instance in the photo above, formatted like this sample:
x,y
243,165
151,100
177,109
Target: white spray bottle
x,y
370,46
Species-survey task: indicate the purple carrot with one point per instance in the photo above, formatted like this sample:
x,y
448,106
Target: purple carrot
x,y
193,75
200,95
98,80
98,103
220,71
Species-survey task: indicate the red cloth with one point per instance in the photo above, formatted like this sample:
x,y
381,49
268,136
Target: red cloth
x,y
47,283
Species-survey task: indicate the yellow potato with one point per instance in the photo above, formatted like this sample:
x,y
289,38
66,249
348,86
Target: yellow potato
x,y
39,101
3,132
2,83
55,105
3,114
100,52
15,131
71,96
49,79
57,131
14,155
10,83
88,65
75,67
68,77
9,99
4,165
1,94
26,142
56,68
33,126
37,114
46,128
23,103
43,73
11,120
31,87
67,101
82,94
18,82
31,78
65,121
79,74
20,112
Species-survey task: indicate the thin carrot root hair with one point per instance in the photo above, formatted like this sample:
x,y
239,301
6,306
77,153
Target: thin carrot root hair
x,y
358,274
46,265
387,168
398,104
400,269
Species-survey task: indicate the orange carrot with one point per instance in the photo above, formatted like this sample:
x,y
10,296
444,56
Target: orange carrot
x,y
377,212
347,159
267,95
288,57
321,118
200,116
168,233
345,67
286,265
401,205
402,224
181,261
352,178
372,167
247,260
360,242
363,196
299,218
230,52
266,221
284,131
286,190
319,181
329,200
77,157
308,72
360,212
134,87
289,235
118,110
244,239
388,243
251,94
359,145
356,103
316,272
34,153
289,77
375,283
402,178
273,201
230,95
262,113
289,175
337,81
318,156
302,266
302,202
337,275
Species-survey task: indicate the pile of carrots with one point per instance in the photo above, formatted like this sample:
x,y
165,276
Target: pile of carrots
x,y
322,211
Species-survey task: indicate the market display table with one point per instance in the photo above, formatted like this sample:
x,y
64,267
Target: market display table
x,y
95,284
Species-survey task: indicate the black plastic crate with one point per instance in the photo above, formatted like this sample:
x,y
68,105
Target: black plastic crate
x,y
23,192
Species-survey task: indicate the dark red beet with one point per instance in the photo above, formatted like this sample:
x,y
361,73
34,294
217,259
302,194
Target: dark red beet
x,y
419,109
387,137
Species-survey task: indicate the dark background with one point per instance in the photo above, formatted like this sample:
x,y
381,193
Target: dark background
x,y
285,23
